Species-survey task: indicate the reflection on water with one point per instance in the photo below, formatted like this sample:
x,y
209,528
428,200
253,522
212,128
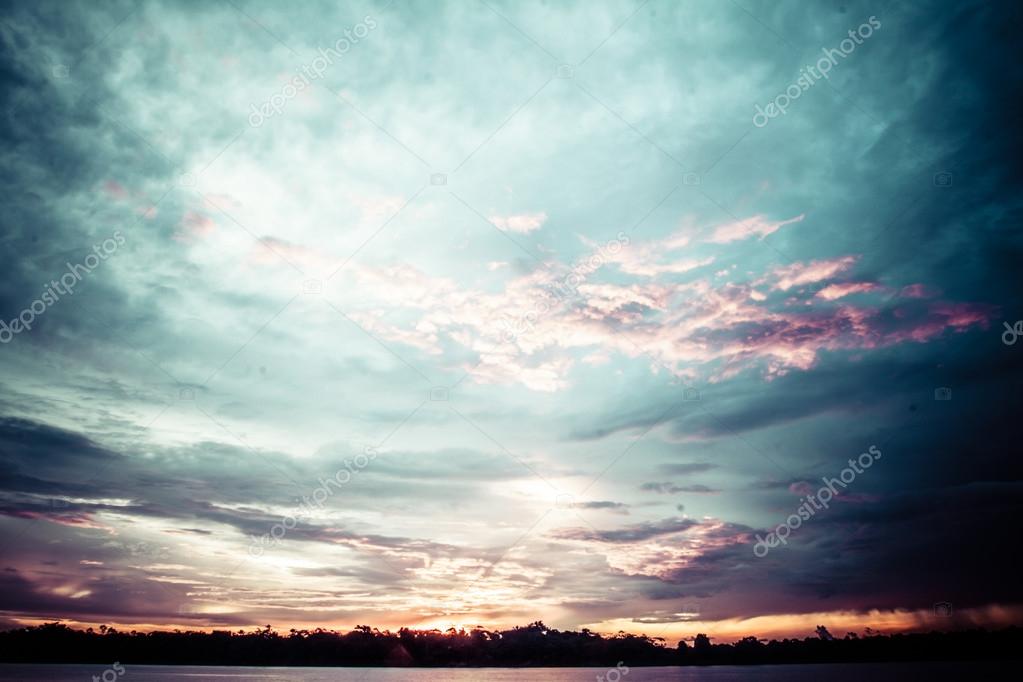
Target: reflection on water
x,y
874,672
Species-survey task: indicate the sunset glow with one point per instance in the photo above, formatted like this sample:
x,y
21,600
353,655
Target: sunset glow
x,y
446,315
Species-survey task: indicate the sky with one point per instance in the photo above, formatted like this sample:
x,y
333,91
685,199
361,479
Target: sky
x,y
480,313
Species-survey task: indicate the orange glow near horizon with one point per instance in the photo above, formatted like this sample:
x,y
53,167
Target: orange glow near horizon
x,y
778,626
799,625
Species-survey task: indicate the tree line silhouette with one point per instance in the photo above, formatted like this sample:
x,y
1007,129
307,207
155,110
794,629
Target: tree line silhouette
x,y
532,645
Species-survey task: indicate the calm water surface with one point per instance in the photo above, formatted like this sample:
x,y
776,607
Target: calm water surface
x,y
869,672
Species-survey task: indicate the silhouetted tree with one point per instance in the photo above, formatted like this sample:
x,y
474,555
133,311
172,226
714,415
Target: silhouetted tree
x,y
533,645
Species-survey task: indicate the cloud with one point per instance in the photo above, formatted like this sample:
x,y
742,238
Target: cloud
x,y
841,290
520,224
659,549
614,507
685,469
653,258
755,226
671,488
194,225
698,328
633,533
798,274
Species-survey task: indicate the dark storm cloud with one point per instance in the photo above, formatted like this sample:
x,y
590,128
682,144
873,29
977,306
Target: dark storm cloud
x,y
43,459
59,141
209,483
862,556
78,169
74,484
963,238
865,556
963,532
194,481
53,447
127,597
898,378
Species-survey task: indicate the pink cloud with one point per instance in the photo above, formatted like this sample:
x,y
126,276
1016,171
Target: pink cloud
x,y
675,267
271,251
962,315
801,488
918,291
758,226
652,258
522,224
941,316
657,549
807,273
533,330
115,190
835,291
194,225
74,519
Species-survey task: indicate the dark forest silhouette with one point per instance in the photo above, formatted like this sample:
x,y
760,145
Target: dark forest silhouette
x,y
533,645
